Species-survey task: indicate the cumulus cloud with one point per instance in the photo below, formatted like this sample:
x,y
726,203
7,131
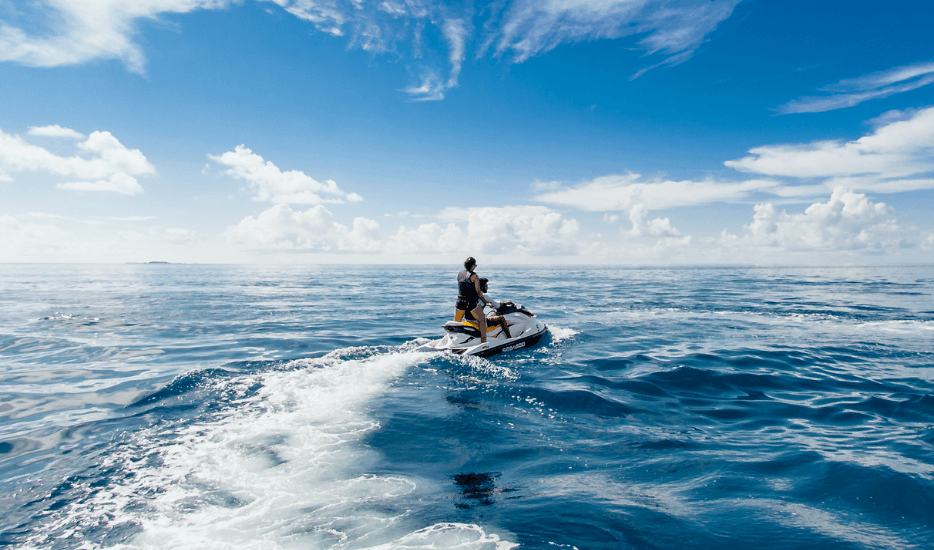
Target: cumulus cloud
x,y
881,161
429,238
54,131
658,227
618,192
273,185
897,156
433,35
523,230
847,221
281,229
853,91
103,159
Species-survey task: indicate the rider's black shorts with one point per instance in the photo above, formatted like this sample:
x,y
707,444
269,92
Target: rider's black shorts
x,y
463,304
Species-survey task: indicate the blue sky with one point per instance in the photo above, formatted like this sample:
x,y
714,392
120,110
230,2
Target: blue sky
x,y
567,131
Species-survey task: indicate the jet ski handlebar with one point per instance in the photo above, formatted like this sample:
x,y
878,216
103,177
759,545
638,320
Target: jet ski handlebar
x,y
509,306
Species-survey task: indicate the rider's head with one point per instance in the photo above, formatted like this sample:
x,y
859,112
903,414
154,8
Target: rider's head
x,y
470,263
483,283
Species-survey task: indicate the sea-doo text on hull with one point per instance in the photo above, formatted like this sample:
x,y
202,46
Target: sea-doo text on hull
x,y
522,330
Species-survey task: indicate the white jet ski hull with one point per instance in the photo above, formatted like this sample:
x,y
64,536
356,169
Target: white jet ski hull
x,y
463,338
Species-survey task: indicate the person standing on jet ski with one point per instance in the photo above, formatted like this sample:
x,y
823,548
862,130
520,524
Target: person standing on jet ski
x,y
469,296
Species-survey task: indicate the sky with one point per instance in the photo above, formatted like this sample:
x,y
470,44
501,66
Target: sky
x,y
630,132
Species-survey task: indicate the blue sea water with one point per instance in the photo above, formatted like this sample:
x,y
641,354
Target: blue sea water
x,y
175,406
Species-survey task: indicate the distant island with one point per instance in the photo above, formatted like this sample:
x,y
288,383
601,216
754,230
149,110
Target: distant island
x,y
145,263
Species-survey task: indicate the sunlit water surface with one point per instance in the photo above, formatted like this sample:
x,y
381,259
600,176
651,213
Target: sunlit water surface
x,y
172,406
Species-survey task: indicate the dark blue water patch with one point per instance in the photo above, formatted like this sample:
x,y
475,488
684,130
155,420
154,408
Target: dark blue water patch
x,y
478,488
874,492
183,385
639,387
580,401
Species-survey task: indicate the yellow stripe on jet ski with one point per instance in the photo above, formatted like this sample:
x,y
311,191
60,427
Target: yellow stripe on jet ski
x,y
476,326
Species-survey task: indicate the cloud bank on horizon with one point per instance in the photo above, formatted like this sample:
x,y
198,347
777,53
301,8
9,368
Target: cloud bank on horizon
x,y
896,157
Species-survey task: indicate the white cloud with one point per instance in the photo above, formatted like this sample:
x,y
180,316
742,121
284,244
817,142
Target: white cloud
x,y
847,221
897,156
26,241
175,235
674,29
87,30
429,238
658,227
273,185
618,192
430,89
78,32
117,183
54,131
853,91
522,230
105,160
280,229
130,218
455,32
47,216
896,150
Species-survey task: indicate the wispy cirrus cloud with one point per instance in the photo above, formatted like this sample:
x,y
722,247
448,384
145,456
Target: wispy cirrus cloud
x,y
433,37
853,91
77,32
673,29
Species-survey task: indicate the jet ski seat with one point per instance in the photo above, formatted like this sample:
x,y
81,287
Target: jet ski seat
x,y
464,328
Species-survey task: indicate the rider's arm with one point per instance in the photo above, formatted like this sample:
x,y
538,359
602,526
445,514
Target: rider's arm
x,y
476,284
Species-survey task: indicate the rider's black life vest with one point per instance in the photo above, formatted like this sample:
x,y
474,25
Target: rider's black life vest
x,y
465,287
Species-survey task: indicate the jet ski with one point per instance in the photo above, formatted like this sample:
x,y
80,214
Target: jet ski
x,y
463,337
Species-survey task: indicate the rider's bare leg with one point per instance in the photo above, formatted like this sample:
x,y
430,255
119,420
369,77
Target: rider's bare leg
x,y
481,320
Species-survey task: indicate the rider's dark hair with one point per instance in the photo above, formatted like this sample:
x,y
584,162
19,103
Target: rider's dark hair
x,y
483,282
469,263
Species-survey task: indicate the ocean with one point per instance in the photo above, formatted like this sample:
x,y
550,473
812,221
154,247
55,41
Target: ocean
x,y
203,406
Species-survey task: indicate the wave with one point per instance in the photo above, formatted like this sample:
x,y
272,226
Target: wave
x,y
281,463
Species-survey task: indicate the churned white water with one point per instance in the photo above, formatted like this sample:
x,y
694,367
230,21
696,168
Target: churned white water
x,y
285,467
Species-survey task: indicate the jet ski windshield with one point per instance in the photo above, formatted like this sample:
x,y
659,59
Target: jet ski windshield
x,y
512,307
